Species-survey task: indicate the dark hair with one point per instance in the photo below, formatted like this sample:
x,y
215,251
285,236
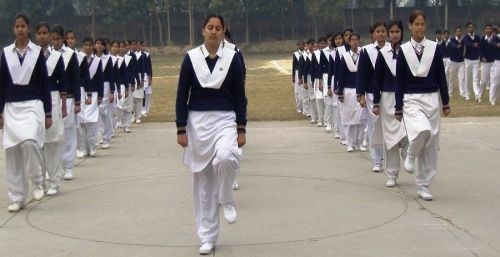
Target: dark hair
x,y
355,35
347,30
398,23
458,27
23,17
415,14
446,31
300,42
330,35
124,42
488,25
311,41
132,41
213,15
114,42
337,34
469,23
438,32
88,40
376,25
70,31
495,30
103,43
322,39
41,25
58,29
228,35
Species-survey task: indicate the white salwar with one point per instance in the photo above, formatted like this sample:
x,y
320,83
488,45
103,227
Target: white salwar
x,y
89,116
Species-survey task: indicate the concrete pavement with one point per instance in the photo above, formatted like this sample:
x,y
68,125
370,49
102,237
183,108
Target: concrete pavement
x,y
301,195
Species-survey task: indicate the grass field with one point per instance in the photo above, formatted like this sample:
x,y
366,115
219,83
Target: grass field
x,y
269,90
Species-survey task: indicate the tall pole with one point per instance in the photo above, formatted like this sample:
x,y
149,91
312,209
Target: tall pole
x,y
150,28
391,3
446,15
93,19
191,27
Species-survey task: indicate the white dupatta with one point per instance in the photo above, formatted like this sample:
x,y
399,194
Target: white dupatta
x,y
215,78
419,68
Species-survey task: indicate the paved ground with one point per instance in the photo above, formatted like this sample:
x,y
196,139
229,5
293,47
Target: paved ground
x,y
301,195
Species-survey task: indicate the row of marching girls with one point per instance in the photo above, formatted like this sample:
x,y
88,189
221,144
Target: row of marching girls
x,y
472,59
386,93
52,98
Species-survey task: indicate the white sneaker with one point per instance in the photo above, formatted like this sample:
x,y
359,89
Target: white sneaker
x,y
230,214
467,98
105,146
138,121
101,141
350,149
424,195
52,192
207,248
68,175
126,130
313,121
15,207
343,142
38,192
80,154
377,168
328,128
235,185
93,152
391,182
409,163
365,143
299,111
363,149
336,135
320,124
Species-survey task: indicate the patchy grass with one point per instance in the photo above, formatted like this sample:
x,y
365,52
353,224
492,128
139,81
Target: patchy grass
x,y
269,90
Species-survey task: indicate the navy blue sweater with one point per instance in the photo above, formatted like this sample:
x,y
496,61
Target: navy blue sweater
x,y
456,50
295,66
229,97
57,81
487,50
324,62
445,48
37,89
108,75
345,78
315,68
471,51
96,84
73,79
85,77
307,69
364,80
496,43
383,80
409,84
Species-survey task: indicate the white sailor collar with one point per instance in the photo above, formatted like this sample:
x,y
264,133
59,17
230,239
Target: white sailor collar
x,y
205,52
30,47
415,43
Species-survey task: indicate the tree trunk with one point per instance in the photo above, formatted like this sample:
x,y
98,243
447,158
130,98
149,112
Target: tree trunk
x,y
293,31
247,27
169,34
282,11
125,36
93,19
191,25
446,15
160,30
352,18
391,3
143,33
150,30
316,27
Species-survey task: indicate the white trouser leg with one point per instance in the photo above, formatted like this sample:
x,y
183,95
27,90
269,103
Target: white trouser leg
x,y
138,108
392,158
476,82
52,160
446,62
355,134
320,106
126,118
376,151
495,81
206,204
457,70
471,75
106,118
334,122
486,75
91,129
328,115
313,109
118,117
79,137
69,148
22,160
147,103
426,167
226,165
